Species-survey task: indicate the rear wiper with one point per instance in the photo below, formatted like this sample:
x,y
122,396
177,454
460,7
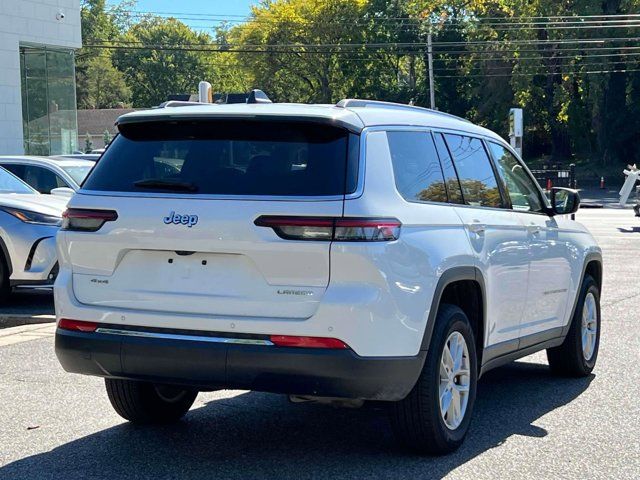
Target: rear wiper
x,y
166,184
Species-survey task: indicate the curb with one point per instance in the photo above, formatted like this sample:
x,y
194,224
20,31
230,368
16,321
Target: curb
x,y
15,320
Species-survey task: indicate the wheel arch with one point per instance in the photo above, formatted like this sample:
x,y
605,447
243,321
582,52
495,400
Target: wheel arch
x,y
4,252
592,265
465,288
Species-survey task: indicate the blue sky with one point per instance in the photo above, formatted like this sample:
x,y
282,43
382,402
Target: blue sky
x,y
217,8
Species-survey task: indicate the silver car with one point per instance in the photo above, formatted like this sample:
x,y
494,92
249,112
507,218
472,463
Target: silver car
x,y
29,222
48,173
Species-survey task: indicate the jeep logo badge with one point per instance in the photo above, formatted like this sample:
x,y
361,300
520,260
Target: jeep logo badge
x,y
177,219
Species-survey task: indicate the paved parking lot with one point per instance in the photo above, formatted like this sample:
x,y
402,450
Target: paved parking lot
x,y
27,306
527,423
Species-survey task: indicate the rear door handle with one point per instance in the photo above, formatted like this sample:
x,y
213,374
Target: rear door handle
x,y
533,229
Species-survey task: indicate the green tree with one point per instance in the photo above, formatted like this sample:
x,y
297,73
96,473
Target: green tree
x,y
99,27
88,143
164,57
295,64
102,86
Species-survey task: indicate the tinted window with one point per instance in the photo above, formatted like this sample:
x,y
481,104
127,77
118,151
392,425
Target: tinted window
x,y
479,184
42,179
17,170
451,178
10,184
416,167
520,186
78,173
234,157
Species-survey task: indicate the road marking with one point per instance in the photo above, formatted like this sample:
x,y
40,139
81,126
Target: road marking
x,y
25,333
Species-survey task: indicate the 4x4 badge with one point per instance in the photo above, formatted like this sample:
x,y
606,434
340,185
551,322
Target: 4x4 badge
x,y
177,219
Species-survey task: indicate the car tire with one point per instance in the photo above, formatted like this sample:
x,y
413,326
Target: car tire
x,y
577,355
5,283
147,403
417,420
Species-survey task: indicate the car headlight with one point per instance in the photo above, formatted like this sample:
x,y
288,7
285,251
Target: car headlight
x,y
28,216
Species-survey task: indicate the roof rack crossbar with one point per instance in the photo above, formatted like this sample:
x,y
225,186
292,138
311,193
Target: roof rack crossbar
x,y
358,103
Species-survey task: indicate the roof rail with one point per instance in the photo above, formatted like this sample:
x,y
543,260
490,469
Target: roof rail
x,y
357,103
178,103
254,96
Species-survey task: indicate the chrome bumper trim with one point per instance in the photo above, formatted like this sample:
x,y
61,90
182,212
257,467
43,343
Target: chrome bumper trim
x,y
194,338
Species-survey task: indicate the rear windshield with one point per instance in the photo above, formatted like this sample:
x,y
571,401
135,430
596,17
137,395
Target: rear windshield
x,y
234,157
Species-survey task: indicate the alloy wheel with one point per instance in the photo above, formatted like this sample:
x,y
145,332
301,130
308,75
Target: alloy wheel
x,y
589,326
454,380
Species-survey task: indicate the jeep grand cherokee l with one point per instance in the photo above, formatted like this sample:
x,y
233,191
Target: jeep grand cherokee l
x,y
365,250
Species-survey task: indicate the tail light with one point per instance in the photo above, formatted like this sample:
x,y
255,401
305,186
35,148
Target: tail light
x,y
342,229
77,325
307,342
85,220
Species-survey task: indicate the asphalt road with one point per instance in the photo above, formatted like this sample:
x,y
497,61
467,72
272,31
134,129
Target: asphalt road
x,y
527,424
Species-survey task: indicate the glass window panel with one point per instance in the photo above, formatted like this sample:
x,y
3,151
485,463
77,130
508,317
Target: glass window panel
x,y
48,100
61,101
478,181
37,119
416,167
520,186
451,177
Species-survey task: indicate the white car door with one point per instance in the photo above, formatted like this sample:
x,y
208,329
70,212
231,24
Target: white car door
x,y
549,251
498,238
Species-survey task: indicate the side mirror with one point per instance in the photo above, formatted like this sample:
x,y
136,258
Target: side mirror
x,y
564,201
63,192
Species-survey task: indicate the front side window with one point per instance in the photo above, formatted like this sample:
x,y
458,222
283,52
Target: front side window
x,y
521,189
416,167
477,179
78,173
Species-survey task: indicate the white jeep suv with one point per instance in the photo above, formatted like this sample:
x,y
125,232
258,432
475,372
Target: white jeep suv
x,y
365,250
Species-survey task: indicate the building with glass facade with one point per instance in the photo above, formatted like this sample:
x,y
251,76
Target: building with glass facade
x,y
37,76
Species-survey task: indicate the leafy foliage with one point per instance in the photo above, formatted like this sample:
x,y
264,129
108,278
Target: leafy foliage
x,y
325,50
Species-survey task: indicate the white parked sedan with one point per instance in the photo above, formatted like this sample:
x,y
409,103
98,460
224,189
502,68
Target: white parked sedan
x,y
47,173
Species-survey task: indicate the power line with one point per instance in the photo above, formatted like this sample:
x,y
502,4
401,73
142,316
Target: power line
x,y
494,53
549,19
232,47
517,74
516,28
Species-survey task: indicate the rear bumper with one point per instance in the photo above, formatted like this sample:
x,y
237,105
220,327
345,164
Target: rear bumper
x,y
208,365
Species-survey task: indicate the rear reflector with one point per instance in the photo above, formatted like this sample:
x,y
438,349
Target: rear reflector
x,y
328,228
307,342
85,220
77,325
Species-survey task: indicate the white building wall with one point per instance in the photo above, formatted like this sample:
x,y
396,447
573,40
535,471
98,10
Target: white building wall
x,y
35,22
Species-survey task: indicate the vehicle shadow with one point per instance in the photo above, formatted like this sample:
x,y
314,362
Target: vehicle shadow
x,y
257,435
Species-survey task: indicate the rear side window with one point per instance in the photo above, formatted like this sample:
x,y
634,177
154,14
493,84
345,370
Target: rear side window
x,y
477,179
451,178
416,167
231,157
42,179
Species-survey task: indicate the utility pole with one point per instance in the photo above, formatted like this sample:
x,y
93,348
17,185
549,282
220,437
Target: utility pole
x,y
432,92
